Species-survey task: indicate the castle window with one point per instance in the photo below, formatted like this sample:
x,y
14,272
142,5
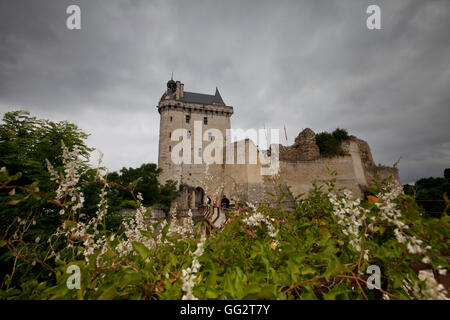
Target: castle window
x,y
205,120
171,118
170,134
170,148
188,118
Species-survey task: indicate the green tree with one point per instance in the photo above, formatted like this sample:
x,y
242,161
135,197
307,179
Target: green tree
x,y
146,182
340,134
25,144
429,193
330,143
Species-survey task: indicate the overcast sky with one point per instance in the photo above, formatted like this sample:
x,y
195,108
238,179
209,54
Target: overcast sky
x,y
294,63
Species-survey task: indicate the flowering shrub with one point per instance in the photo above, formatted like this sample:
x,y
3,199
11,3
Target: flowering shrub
x,y
319,248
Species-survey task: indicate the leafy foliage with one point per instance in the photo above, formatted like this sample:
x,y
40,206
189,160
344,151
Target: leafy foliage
x,y
340,134
330,143
25,144
270,252
429,192
144,180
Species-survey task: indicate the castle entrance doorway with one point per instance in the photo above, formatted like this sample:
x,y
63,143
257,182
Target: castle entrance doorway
x,y
199,196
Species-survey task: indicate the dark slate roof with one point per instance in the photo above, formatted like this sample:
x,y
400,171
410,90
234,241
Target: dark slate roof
x,y
202,98
217,97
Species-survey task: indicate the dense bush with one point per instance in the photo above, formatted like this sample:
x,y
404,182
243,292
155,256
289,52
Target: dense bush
x,y
319,248
330,143
340,134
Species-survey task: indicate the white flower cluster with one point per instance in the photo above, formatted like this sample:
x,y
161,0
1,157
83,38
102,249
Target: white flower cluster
x,y
188,275
133,229
162,225
68,188
432,291
88,232
68,180
254,219
388,211
351,216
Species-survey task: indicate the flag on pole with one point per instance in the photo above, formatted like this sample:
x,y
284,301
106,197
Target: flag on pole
x,y
285,133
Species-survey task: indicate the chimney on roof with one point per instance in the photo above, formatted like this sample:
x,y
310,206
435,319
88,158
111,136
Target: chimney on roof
x,y
179,90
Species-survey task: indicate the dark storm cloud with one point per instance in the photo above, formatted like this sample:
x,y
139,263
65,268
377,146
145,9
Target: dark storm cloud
x,y
294,63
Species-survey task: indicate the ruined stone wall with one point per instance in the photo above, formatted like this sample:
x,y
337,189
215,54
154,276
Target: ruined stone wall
x,y
300,167
243,182
303,149
157,213
301,175
370,168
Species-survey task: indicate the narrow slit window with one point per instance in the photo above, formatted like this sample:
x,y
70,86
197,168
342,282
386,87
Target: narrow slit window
x,y
188,118
205,120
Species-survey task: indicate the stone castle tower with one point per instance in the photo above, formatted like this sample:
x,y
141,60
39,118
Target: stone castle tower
x,y
181,109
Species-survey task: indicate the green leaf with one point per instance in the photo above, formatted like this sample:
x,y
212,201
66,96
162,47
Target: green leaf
x,y
211,294
141,249
164,232
147,234
148,213
70,223
133,184
108,294
14,202
17,176
307,270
